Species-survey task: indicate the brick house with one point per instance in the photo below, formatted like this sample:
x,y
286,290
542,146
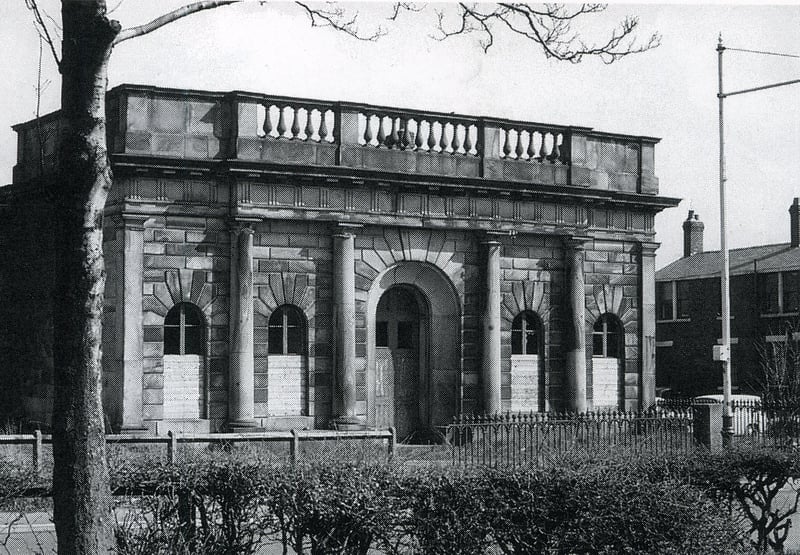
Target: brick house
x,y
285,263
765,304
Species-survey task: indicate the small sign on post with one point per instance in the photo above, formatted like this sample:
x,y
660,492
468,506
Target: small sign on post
x,y
722,353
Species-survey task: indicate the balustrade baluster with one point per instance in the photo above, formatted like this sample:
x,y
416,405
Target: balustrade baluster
x,y
555,154
431,138
368,130
295,123
518,149
456,140
323,126
405,139
531,152
543,148
444,140
506,143
309,129
381,131
281,122
267,121
393,140
467,140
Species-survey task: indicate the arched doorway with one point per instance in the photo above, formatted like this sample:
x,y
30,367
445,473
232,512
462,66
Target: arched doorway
x,y
401,338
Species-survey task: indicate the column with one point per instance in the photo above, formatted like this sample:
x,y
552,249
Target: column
x,y
132,331
647,288
344,311
576,329
490,375
240,378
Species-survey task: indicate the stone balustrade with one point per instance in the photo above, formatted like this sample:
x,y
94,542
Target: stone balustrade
x,y
195,125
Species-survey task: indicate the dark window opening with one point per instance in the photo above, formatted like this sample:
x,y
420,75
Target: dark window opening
x,y
405,335
606,337
286,331
183,330
768,293
382,334
525,334
791,291
682,298
665,301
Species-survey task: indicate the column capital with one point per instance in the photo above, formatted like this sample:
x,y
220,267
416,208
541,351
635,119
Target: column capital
x,y
133,221
648,248
576,243
345,229
493,236
242,227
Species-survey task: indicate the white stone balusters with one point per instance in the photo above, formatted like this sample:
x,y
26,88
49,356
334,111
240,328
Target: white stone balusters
x,y
531,151
418,135
467,140
267,120
431,137
444,139
506,143
381,131
295,130
518,150
323,126
309,128
281,122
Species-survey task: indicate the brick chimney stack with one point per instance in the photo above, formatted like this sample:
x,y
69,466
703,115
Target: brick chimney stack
x,y
794,219
693,235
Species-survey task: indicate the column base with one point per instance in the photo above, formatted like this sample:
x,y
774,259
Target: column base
x,y
133,430
244,427
348,424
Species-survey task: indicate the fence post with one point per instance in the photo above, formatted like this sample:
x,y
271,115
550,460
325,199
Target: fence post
x,y
707,424
392,441
37,453
172,446
294,448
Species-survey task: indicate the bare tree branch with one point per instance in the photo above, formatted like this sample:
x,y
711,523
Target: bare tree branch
x,y
41,28
549,26
404,6
174,15
335,17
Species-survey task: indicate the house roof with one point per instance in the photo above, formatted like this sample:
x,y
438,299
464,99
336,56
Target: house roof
x,y
762,259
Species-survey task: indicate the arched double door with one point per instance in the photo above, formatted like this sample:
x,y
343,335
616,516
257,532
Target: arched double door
x,y
413,350
401,326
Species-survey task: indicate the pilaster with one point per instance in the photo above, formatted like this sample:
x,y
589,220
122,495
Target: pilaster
x,y
647,301
132,329
491,364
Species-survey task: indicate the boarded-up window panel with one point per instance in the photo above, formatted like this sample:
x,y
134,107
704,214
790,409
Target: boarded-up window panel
x,y
524,383
182,386
605,382
285,385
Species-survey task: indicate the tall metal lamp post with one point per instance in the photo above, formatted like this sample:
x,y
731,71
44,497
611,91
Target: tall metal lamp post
x,y
723,352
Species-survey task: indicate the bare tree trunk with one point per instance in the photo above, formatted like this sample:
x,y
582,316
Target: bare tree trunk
x,y
81,497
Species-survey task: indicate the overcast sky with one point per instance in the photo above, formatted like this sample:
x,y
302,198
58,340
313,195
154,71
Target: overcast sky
x,y
668,93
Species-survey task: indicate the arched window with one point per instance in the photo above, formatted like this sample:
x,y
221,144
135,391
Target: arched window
x,y
286,331
183,330
607,337
525,334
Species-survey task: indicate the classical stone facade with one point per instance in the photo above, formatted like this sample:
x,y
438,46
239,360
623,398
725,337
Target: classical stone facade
x,y
285,263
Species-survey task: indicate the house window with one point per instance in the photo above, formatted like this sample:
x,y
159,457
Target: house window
x,y
183,330
779,292
286,331
790,287
665,298
525,334
682,299
607,335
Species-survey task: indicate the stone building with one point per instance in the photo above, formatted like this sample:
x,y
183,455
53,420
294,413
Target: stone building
x,y
285,263
765,307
